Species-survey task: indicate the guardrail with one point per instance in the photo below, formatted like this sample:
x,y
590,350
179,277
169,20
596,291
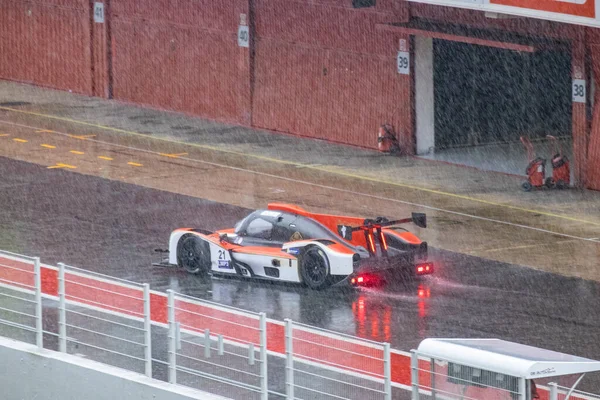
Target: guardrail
x,y
233,359
358,368
227,350
110,320
22,279
102,329
558,392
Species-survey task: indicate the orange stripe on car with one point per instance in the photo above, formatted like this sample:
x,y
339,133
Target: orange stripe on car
x,y
263,251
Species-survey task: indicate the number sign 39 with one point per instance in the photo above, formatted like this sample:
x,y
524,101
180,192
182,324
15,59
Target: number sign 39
x,y
403,62
579,91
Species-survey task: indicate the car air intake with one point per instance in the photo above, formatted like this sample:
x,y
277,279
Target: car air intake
x,y
272,272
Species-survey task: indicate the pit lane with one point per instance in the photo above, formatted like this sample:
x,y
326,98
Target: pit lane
x,y
113,228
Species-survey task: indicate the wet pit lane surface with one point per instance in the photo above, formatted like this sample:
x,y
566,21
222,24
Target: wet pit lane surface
x,y
113,228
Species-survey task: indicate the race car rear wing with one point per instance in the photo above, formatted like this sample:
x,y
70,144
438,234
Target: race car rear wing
x,y
373,228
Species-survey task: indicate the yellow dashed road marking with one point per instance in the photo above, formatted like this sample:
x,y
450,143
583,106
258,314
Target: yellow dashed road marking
x,y
319,168
44,131
134,164
61,165
82,137
4,134
20,140
173,155
76,152
105,158
48,146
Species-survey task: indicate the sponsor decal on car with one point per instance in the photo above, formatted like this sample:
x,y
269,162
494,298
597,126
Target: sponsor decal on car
x,y
293,250
224,264
269,213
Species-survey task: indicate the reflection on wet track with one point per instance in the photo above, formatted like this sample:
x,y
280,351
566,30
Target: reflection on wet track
x,y
113,228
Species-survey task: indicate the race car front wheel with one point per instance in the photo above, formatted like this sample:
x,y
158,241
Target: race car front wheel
x,y
193,254
315,268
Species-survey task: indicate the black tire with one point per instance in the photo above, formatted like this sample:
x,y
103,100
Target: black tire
x,y
526,186
193,255
560,184
550,183
314,268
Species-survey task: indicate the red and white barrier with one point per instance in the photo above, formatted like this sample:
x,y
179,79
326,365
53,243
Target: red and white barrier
x,y
95,290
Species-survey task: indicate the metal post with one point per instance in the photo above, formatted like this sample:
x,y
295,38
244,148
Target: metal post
x,y
264,382
414,373
432,372
251,356
289,360
172,337
522,390
62,309
207,343
387,371
221,349
39,330
553,390
147,331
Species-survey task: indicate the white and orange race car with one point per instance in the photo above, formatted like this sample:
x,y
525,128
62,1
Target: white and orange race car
x,y
287,243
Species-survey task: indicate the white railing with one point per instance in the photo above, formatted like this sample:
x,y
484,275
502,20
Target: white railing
x,y
209,352
21,275
110,320
558,392
79,294
309,349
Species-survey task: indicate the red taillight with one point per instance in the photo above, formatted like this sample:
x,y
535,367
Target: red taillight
x,y
367,280
424,269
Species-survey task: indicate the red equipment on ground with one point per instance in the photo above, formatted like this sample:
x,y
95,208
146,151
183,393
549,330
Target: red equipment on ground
x,y
561,171
536,169
387,141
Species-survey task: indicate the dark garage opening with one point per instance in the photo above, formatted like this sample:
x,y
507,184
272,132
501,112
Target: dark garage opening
x,y
486,95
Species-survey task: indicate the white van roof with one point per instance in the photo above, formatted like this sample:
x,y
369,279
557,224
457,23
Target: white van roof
x,y
505,357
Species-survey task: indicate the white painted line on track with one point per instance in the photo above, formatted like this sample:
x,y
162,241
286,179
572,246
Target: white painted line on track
x,y
492,220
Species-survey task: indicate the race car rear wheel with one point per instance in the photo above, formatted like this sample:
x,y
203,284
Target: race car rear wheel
x,y
193,254
315,268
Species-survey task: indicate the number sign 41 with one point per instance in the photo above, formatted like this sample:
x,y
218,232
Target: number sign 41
x,y
403,62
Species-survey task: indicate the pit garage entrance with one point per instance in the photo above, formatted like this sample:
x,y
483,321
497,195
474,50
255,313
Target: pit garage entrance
x,y
488,95
477,92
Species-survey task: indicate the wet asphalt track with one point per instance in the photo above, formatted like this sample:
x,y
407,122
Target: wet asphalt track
x,y
113,228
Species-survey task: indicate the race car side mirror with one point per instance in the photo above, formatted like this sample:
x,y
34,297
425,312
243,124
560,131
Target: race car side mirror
x,y
419,219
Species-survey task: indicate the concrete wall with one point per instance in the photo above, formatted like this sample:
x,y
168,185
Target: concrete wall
x,y
28,373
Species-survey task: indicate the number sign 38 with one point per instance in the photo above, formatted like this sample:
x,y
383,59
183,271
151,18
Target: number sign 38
x,y
579,91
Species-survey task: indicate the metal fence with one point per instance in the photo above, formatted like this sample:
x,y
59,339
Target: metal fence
x,y
321,364
103,323
558,392
21,297
211,345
